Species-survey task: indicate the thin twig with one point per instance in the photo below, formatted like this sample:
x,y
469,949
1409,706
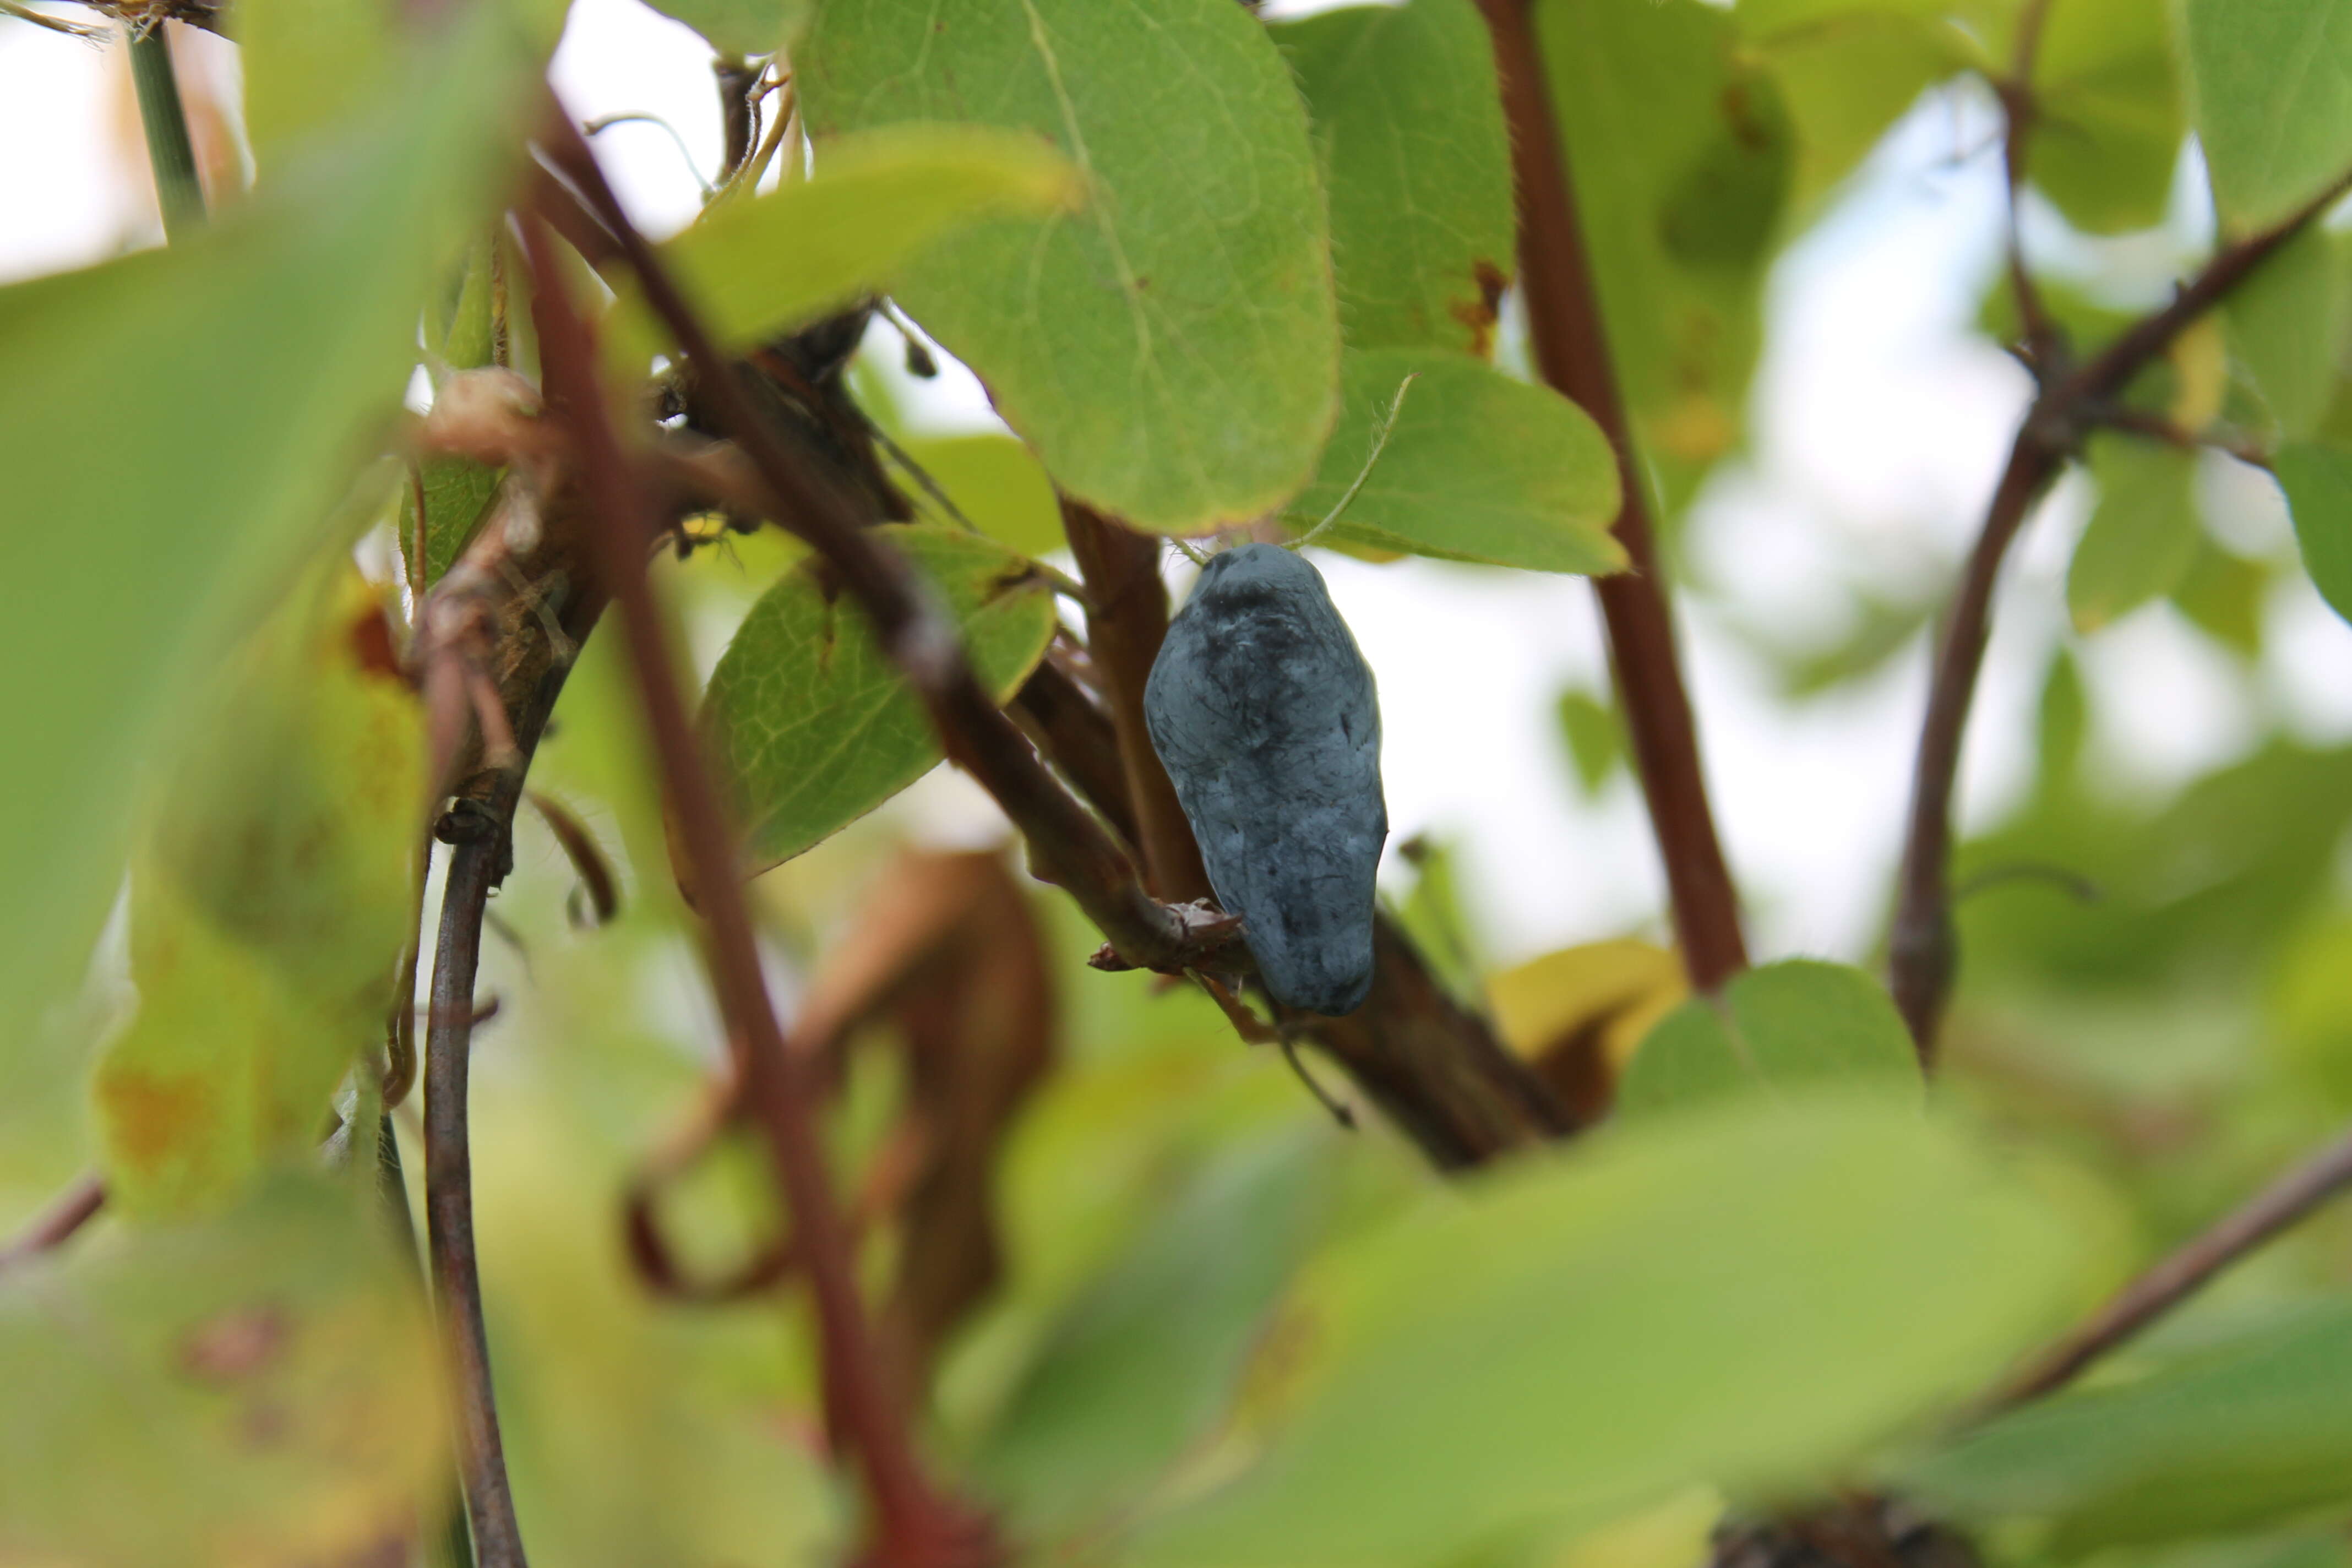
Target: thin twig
x,y
1922,949
2292,1197
449,1193
913,1523
67,1213
179,190
2020,111
1571,348
1067,845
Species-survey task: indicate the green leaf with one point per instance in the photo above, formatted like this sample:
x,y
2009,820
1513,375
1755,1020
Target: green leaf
x,y
264,1384
741,26
812,726
2143,536
237,378
1683,159
2286,325
2223,595
1145,1360
1480,466
268,909
995,482
301,61
1171,351
1595,735
1418,167
2317,481
761,266
1847,78
2271,96
1577,1333
2226,1439
2108,123
456,493
1797,1024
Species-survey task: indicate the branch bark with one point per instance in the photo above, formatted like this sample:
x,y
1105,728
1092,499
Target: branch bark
x,y
1126,620
1922,948
1433,1067
914,1524
1571,348
449,1201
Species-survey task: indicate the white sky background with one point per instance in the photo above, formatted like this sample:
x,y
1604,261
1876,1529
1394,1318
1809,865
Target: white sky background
x,y
1879,424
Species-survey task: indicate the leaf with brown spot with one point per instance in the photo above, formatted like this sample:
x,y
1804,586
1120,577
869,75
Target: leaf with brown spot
x,y
1418,168
255,1391
268,905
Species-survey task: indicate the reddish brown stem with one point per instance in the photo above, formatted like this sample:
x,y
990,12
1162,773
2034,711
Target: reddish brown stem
x,y
913,1523
1571,349
2292,1197
53,1227
1923,951
1126,619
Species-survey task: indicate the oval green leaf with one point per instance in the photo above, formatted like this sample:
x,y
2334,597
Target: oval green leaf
x,y
1480,466
1796,1024
2142,535
2270,95
1683,157
760,265
1170,352
2317,481
997,485
1418,167
811,725
1577,1334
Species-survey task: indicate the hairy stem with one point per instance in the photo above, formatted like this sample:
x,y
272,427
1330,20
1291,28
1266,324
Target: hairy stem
x,y
179,191
913,1523
1923,955
1571,349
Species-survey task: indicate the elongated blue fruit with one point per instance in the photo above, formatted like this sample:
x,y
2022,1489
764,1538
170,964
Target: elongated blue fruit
x,y
1264,713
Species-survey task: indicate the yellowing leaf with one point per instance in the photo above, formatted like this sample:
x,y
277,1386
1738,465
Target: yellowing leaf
x,y
998,486
258,1391
268,910
1611,991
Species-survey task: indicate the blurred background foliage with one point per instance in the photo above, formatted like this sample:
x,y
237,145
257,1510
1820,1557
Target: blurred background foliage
x,y
1109,1242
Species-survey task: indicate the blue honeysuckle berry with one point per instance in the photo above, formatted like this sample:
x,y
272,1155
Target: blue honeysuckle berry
x,y
1264,712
